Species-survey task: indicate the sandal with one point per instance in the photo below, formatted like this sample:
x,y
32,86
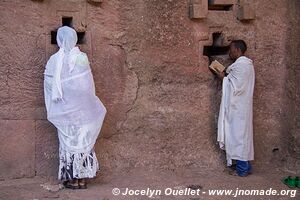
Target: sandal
x,y
82,184
233,173
71,185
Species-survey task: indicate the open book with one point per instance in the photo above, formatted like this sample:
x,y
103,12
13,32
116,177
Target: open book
x,y
217,67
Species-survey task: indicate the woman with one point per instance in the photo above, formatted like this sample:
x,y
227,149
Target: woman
x,y
74,109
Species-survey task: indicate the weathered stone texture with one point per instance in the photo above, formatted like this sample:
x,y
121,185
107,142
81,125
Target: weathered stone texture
x,y
291,117
151,74
46,149
17,148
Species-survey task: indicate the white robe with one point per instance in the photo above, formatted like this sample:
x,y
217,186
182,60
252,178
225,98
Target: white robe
x,y
235,123
73,107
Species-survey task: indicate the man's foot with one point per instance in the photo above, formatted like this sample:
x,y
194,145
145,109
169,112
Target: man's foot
x,y
233,173
229,169
71,184
82,184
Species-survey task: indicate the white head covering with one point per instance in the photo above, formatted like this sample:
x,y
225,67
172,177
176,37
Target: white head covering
x,y
66,39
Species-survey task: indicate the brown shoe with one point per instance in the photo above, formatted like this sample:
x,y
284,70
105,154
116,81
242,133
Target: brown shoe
x,y
71,184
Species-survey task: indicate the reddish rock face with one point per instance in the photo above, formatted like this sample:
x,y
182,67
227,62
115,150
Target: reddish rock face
x,y
150,66
17,148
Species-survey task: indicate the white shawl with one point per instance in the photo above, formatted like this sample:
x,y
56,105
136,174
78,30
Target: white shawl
x,y
70,97
235,124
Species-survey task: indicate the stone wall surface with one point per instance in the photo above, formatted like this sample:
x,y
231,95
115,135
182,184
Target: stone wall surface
x,y
150,71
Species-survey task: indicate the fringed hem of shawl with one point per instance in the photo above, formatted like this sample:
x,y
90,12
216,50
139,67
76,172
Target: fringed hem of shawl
x,y
77,165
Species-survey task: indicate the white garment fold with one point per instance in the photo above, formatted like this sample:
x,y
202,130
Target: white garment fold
x,y
235,123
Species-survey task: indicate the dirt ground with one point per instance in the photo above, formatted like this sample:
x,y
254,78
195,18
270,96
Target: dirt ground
x,y
39,188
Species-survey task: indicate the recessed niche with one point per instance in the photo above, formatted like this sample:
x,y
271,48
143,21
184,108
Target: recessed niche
x,y
53,37
95,2
217,51
219,7
217,48
67,21
81,37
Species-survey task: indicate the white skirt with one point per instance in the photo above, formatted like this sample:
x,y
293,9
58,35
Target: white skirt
x,y
73,162
78,165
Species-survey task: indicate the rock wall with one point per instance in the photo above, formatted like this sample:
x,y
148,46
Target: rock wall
x,y
151,74
291,140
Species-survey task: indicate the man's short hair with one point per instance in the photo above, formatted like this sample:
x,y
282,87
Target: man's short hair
x,y
240,44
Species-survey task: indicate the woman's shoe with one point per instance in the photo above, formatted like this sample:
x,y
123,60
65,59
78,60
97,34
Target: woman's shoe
x,y
71,184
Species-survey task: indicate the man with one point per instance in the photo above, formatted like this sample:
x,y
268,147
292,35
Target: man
x,y
235,126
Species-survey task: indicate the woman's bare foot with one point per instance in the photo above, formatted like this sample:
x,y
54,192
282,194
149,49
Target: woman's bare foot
x,y
82,183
